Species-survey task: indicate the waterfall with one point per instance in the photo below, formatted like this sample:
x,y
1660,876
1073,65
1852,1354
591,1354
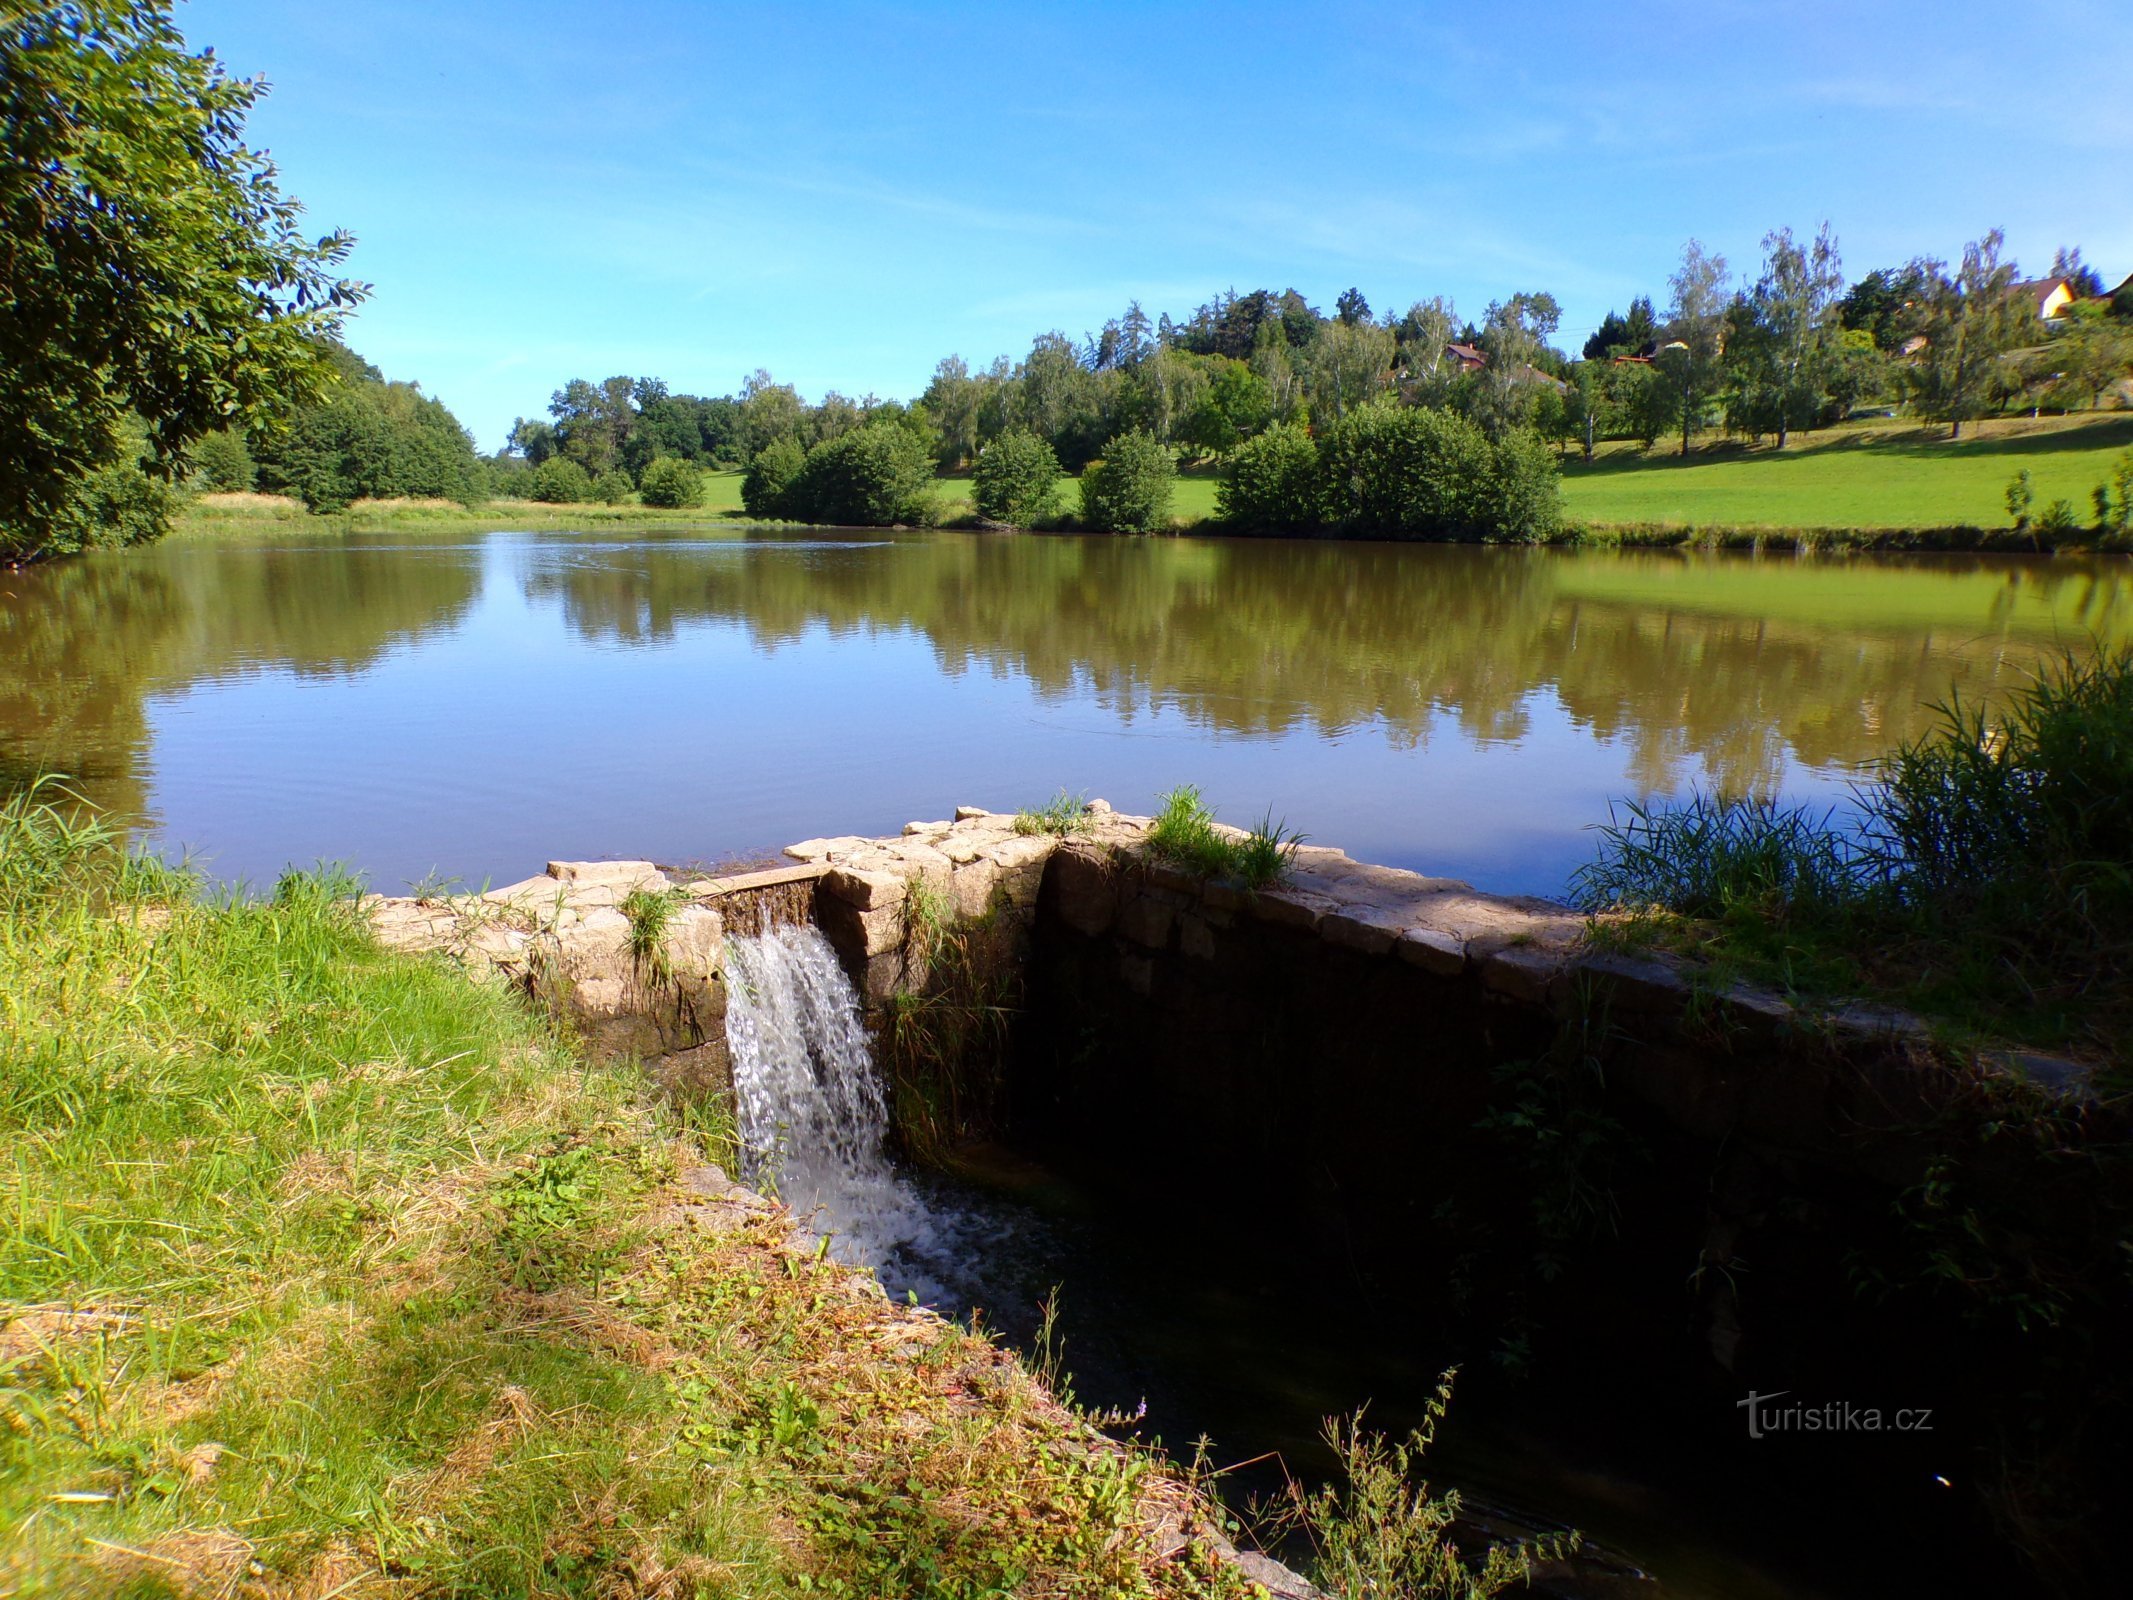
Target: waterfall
x,y
813,1120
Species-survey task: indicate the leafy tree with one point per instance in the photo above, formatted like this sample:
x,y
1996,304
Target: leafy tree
x,y
1059,400
1235,404
671,483
1780,348
2089,352
1428,474
1016,481
222,464
954,398
594,421
533,441
370,440
1351,307
879,475
770,411
153,269
1883,304
1425,371
769,478
560,481
1689,362
1270,483
1514,341
1346,365
1969,321
1128,490
612,487
1858,372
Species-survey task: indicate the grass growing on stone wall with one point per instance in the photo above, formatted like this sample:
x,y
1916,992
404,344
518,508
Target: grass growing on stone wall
x,y
1185,835
1988,878
1064,815
328,1272
949,1023
650,914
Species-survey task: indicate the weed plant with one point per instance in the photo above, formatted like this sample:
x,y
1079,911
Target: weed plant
x,y
1185,835
1383,1530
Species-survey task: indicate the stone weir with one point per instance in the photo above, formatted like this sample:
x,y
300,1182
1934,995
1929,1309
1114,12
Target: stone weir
x,y
635,954
1715,1187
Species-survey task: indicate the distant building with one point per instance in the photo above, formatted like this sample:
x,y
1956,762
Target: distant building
x,y
2047,297
1469,357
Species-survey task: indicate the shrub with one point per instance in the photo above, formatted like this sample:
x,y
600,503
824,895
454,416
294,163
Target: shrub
x,y
611,488
560,481
1522,499
1128,491
2059,520
770,475
1423,473
873,477
670,483
1271,482
1016,481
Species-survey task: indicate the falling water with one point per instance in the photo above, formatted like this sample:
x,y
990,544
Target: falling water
x,y
813,1121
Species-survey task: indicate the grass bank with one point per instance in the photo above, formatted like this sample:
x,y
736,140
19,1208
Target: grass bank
x,y
329,1272
1877,475
1984,883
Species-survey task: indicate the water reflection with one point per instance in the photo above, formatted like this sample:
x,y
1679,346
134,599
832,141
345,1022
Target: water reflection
x,y
515,695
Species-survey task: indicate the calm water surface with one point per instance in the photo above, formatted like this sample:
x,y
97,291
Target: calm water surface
x,y
474,704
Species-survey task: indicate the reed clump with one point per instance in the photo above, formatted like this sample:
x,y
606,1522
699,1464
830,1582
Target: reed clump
x,y
1987,872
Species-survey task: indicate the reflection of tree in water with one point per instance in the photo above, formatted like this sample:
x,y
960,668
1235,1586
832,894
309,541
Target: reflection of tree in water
x,y
1713,668
84,643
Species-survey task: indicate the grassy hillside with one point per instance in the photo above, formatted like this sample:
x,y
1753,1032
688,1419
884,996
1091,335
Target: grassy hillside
x,y
328,1272
1887,475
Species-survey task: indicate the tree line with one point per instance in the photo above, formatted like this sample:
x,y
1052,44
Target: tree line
x,y
174,322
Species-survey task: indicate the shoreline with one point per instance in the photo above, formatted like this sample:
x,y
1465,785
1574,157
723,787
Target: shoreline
x,y
195,523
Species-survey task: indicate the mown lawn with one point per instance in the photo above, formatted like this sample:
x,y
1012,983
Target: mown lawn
x,y
1891,475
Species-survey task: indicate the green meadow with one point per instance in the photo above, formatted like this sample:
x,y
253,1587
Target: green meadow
x,y
1887,475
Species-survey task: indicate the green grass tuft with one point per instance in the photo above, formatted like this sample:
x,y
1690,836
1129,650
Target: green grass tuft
x,y
1185,835
1064,815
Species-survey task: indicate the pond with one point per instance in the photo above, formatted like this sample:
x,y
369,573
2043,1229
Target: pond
x,y
474,704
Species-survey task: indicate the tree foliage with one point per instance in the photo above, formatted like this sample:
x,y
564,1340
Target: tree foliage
x,y
1688,363
1128,491
1270,483
670,483
1782,341
1016,481
877,475
369,439
1969,320
153,267
560,481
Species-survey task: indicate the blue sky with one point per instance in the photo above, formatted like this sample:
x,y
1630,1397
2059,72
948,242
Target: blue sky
x,y
845,193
